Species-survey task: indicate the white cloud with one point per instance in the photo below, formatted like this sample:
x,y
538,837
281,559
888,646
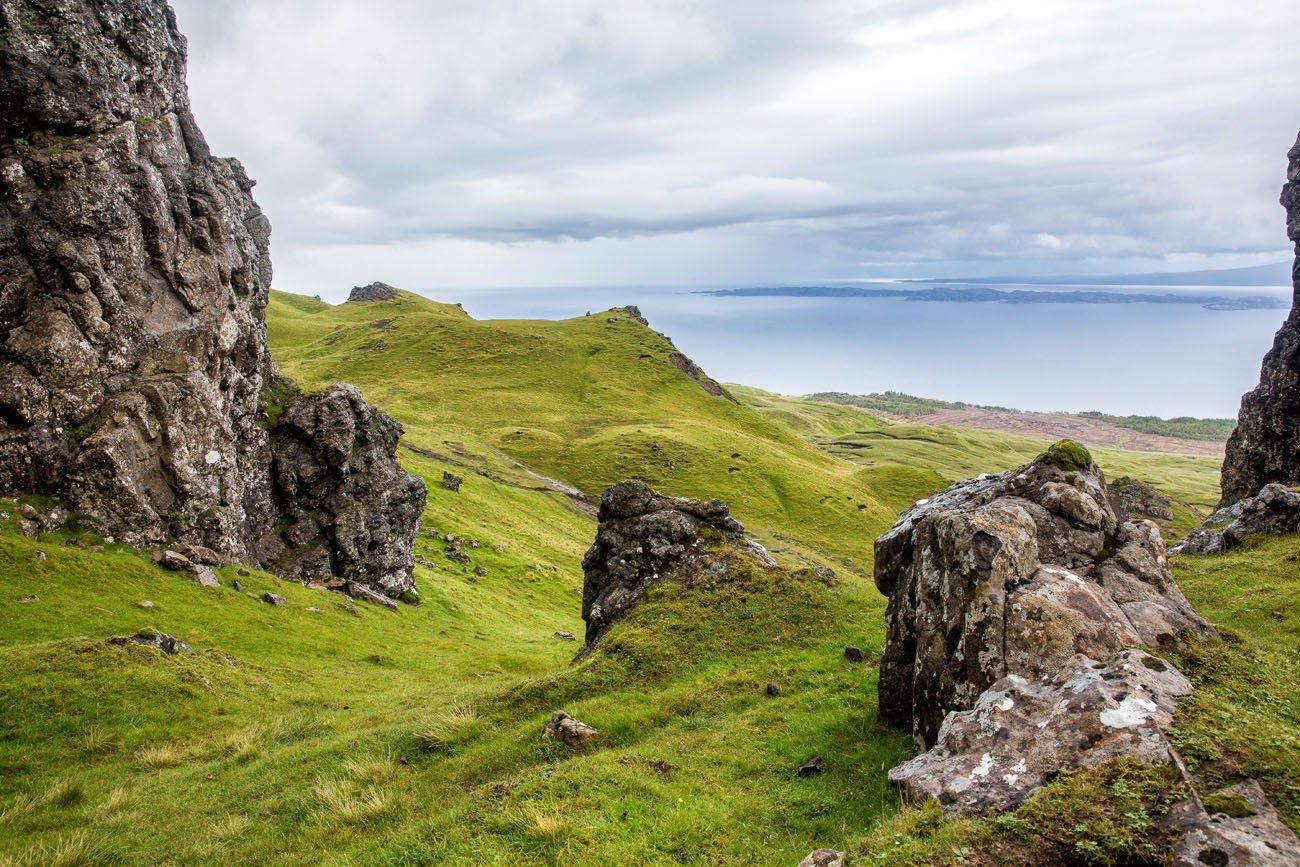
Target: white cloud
x,y
489,143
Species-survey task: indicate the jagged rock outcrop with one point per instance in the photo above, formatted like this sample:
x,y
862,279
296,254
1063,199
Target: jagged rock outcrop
x,y
343,496
1265,447
1022,733
644,538
1133,498
374,292
1275,509
134,272
1016,574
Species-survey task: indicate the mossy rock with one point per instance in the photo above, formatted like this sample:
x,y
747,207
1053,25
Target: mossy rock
x,y
1068,455
1230,804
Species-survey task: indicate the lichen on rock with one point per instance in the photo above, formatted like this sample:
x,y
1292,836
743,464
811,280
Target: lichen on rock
x,y
1016,574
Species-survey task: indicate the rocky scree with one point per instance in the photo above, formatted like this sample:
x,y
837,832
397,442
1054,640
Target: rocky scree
x,y
643,538
134,271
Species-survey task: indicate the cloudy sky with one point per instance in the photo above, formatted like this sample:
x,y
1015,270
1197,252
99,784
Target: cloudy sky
x,y
617,142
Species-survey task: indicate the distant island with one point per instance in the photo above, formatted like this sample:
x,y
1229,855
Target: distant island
x,y
985,295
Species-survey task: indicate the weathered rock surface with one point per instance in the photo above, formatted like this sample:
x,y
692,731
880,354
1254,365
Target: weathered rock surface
x,y
343,497
1249,835
569,731
134,272
168,644
644,538
1022,733
1016,574
823,858
374,292
1275,509
1134,499
1265,447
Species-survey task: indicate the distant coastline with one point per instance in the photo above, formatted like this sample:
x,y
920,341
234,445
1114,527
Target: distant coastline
x,y
987,295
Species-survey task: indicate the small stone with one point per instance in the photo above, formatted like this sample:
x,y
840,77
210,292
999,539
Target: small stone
x,y
31,598
773,690
145,603
474,543
238,585
823,858
565,636
812,767
313,608
272,598
243,573
40,556
500,549
205,576
480,571
853,653
168,644
451,482
570,731
173,560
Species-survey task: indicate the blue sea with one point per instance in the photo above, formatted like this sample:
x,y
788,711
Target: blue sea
x,y
1142,359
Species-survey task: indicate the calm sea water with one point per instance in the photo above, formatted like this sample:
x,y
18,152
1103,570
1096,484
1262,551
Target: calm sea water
x,y
1142,359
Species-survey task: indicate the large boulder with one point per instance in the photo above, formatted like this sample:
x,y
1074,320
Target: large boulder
x,y
343,496
1022,733
1235,827
1275,509
1016,574
134,274
1265,447
643,538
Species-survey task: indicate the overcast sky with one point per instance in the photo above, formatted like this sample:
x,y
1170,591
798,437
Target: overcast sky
x,y
581,142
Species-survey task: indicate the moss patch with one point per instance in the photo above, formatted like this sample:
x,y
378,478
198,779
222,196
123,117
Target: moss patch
x,y
1229,804
1068,455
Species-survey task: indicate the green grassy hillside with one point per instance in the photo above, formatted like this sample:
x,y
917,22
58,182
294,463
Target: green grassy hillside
x,y
330,732
905,458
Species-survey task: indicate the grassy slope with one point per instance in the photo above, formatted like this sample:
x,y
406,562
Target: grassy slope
x,y
895,452
341,736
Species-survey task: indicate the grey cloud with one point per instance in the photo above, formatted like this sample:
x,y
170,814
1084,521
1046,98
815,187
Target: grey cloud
x,y
483,143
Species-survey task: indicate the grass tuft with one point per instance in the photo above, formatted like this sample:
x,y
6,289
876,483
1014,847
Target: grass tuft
x,y
341,800
448,730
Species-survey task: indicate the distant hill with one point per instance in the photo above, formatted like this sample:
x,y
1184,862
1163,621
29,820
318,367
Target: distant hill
x,y
1273,274
1141,432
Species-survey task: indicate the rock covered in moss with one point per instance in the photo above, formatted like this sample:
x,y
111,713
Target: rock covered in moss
x,y
1016,573
569,731
134,276
1235,827
1265,447
1021,733
643,538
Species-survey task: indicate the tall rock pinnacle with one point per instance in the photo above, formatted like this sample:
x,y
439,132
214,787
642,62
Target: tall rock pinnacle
x,y
134,273
1266,444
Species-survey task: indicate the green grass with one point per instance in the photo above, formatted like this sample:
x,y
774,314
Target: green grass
x,y
904,461
330,732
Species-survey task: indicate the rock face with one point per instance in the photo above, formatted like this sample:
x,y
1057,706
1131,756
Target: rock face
x,y
1016,574
134,271
1135,499
644,538
1265,447
1275,509
344,497
1249,834
374,292
1021,733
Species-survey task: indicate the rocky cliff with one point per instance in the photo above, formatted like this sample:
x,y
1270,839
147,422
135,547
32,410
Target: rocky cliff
x,y
1266,444
135,381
